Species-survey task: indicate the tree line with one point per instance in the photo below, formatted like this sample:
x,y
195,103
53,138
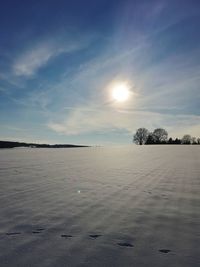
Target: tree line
x,y
10,144
160,136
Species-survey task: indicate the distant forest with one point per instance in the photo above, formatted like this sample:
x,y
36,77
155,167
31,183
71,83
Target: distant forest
x,y
10,144
160,136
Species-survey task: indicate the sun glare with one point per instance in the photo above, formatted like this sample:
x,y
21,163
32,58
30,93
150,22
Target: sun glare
x,y
120,92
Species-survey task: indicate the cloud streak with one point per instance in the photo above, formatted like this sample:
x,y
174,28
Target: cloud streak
x,y
32,59
29,62
90,120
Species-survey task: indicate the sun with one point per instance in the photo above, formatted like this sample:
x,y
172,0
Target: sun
x,y
120,92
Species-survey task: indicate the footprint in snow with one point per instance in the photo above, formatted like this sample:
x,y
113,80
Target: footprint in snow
x,y
125,244
94,236
164,250
38,231
13,233
66,236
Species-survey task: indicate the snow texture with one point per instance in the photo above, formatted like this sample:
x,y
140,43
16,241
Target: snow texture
x,y
118,206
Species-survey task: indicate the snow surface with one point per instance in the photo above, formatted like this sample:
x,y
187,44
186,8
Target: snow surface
x,y
119,206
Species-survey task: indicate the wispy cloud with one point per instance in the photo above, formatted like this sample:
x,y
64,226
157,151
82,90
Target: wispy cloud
x,y
89,119
33,58
29,62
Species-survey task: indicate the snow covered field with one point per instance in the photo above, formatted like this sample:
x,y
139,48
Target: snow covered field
x,y
118,206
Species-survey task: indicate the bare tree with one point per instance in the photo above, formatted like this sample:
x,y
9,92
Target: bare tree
x,y
198,140
186,139
150,139
160,135
141,136
194,140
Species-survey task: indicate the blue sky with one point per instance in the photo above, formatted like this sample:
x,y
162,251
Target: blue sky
x,y
59,59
